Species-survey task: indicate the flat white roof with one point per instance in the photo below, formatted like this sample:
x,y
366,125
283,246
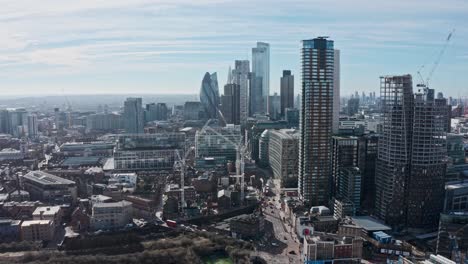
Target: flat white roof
x,y
35,222
46,210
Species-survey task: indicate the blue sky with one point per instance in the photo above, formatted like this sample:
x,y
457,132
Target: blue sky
x,y
164,46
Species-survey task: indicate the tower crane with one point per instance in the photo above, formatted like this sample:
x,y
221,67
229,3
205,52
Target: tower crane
x,y
425,82
241,152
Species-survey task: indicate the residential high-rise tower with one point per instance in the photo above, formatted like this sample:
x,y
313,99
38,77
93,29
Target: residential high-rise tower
x,y
411,163
133,115
336,91
316,118
393,160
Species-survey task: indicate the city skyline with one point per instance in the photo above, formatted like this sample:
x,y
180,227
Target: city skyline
x,y
92,52
222,131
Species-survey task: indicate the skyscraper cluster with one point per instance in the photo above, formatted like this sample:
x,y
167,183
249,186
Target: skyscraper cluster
x,y
19,123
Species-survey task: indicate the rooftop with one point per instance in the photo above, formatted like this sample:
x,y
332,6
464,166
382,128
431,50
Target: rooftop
x,y
330,238
81,161
9,150
82,146
291,134
46,210
370,224
9,222
46,178
35,222
115,204
100,198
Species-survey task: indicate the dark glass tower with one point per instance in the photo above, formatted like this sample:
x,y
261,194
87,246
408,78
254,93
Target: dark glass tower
x,y
287,91
230,104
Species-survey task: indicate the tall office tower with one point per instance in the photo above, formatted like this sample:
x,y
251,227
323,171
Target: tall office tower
x,y
209,95
275,106
428,160
444,109
316,118
336,92
297,102
240,76
411,163
33,126
367,158
255,95
287,92
292,117
393,160
353,106
261,68
133,115
230,106
150,112
161,111
5,126
156,112
18,122
194,111
344,155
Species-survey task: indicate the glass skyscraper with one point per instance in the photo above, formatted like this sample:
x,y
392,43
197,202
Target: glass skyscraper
x,y
240,76
261,68
209,95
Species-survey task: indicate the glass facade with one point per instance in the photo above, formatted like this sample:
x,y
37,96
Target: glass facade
x,y
261,69
209,95
218,142
148,151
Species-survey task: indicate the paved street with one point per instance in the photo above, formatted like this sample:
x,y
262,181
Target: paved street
x,y
282,244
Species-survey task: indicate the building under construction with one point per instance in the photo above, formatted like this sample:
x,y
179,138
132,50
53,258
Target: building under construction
x,y
411,161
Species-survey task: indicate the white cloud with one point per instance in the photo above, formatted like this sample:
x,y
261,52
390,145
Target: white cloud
x,y
76,37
